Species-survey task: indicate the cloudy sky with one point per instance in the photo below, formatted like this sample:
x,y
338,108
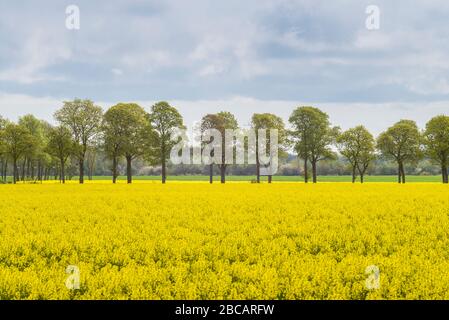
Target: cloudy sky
x,y
241,56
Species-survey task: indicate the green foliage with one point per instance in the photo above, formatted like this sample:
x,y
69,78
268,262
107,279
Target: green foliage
x,y
357,145
164,119
312,137
269,121
60,144
312,133
220,122
17,142
127,130
402,142
83,118
436,141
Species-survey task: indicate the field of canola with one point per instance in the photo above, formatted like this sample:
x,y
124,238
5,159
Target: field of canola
x,y
192,240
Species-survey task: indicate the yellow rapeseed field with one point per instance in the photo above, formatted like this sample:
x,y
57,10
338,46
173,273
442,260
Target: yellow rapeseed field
x,y
193,240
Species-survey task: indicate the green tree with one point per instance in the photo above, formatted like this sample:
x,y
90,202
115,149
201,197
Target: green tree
x,y
226,121
401,142
164,119
3,154
44,160
436,141
113,134
91,159
312,136
128,133
83,118
210,121
17,140
60,145
31,156
357,145
267,121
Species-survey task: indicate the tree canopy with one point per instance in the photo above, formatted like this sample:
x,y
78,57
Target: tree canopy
x,y
164,119
357,145
402,143
436,141
84,119
312,136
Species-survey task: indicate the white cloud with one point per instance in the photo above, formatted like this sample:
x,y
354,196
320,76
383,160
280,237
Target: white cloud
x,y
371,40
12,106
266,49
147,60
428,85
117,72
294,39
212,69
39,51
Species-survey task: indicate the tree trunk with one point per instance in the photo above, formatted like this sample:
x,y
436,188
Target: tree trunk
x,y
257,162
444,173
362,172
114,169
17,172
5,170
23,169
399,172
81,165
14,171
91,170
403,173
39,172
62,171
306,173
314,171
211,173
28,169
129,169
222,173
164,169
270,178
353,174
32,172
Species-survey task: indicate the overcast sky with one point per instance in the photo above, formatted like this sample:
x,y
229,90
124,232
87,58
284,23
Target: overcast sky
x,y
241,56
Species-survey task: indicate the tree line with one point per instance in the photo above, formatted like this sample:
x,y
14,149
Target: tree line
x,y
35,149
